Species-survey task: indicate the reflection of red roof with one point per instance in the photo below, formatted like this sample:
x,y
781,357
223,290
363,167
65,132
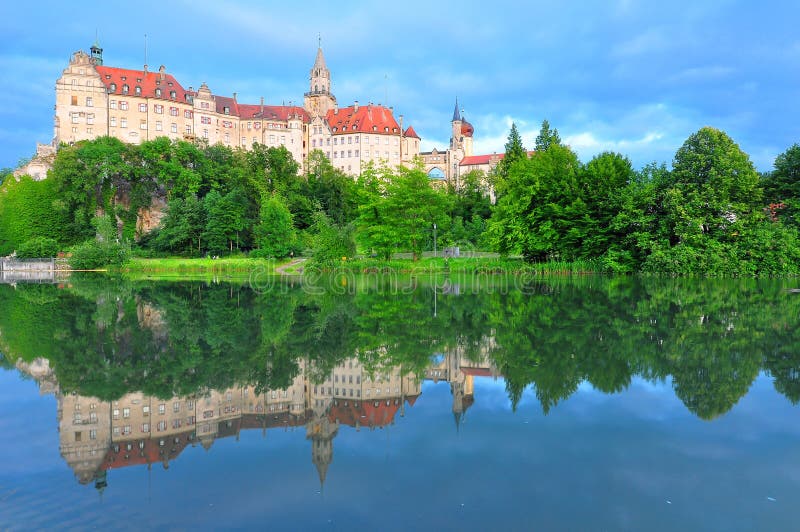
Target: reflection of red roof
x,y
150,81
365,119
366,413
151,452
477,372
411,133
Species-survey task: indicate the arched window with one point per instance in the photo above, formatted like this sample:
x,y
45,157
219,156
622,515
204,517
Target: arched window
x,y
436,173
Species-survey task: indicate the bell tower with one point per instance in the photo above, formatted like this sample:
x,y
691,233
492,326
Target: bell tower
x,y
319,99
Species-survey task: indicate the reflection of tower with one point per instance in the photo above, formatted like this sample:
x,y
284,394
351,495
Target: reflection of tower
x,y
463,391
321,432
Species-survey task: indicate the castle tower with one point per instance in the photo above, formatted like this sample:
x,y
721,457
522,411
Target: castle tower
x,y
319,99
96,54
455,136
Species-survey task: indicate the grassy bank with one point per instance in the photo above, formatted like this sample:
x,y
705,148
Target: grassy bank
x,y
226,266
238,266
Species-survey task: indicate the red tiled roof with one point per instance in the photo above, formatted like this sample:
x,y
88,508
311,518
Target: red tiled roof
x,y
270,112
152,452
150,81
365,119
411,133
480,159
477,372
485,159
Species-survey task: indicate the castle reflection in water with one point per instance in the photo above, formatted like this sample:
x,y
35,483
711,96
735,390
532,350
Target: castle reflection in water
x,y
97,436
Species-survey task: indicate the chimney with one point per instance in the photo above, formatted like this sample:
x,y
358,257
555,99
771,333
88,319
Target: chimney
x,y
145,68
355,106
262,107
161,70
234,97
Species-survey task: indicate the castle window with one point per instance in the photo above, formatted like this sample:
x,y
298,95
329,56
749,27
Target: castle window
x,y
159,109
113,121
356,139
174,128
123,106
158,125
142,124
142,107
123,122
173,111
356,153
74,99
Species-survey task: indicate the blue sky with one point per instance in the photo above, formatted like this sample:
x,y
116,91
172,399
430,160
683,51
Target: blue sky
x,y
636,77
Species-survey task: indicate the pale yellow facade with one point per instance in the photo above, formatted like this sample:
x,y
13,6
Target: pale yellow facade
x,y
135,106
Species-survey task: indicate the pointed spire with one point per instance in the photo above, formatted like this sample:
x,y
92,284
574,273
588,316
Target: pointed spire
x,y
456,112
319,62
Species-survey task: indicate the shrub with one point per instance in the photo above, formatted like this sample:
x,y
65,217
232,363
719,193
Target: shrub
x,y
39,247
92,255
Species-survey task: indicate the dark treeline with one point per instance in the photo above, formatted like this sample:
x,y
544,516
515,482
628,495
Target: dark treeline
x,y
711,213
711,339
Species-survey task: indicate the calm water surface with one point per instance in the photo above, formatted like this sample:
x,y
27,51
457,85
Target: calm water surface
x,y
587,404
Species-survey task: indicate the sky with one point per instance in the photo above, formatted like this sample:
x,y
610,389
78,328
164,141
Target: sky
x,y
635,77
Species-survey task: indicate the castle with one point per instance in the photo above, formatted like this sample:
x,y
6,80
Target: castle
x,y
94,100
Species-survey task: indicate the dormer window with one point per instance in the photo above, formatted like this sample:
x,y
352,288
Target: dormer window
x,y
169,83
124,78
374,128
158,93
137,90
138,80
386,129
113,87
226,110
125,88
172,94
108,76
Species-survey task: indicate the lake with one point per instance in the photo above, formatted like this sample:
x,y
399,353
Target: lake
x,y
393,403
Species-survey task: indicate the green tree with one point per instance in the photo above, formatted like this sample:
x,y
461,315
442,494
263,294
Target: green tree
x,y
31,209
547,137
400,212
515,151
782,187
182,228
332,242
331,188
275,233
538,207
